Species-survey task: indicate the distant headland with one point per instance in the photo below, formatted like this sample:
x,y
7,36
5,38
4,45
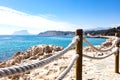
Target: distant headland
x,y
21,32
105,32
57,33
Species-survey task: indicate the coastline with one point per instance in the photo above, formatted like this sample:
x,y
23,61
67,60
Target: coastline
x,y
22,43
101,71
100,36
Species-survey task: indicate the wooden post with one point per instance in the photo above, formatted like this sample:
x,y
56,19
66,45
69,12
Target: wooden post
x,y
79,47
117,56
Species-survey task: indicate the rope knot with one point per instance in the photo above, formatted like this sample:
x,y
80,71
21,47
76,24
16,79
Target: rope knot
x,y
117,40
115,50
75,39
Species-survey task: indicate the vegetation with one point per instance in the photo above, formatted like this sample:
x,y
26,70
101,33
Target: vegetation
x,y
57,33
108,32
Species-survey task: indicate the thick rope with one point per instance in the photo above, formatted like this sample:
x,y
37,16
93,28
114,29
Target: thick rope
x,y
21,69
62,75
98,58
108,49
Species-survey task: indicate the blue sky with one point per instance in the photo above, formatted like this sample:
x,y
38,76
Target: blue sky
x,y
66,15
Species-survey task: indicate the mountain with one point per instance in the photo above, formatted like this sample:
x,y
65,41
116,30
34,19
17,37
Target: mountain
x,y
107,32
21,32
57,33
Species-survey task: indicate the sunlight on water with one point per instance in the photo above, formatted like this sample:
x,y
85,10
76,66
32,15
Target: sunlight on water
x,y
9,45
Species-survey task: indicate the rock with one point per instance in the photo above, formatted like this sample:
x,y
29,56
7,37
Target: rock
x,y
89,49
33,57
17,54
107,44
38,50
48,49
100,54
15,77
2,65
18,59
57,48
25,56
33,53
47,55
85,72
10,63
34,50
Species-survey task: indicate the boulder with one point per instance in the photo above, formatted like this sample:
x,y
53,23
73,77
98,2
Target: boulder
x,y
2,65
48,49
107,44
10,63
57,48
38,50
17,54
34,50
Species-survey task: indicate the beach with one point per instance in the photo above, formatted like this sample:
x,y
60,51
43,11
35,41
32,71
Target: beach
x,y
92,69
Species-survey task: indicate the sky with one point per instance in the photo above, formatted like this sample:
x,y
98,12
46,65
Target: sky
x,y
64,15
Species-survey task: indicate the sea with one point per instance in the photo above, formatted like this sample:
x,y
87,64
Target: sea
x,y
10,44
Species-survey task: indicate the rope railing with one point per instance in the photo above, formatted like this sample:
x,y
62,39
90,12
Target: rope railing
x,y
21,69
13,70
62,75
99,58
100,50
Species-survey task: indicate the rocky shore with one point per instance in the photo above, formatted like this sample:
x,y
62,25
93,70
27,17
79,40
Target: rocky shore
x,y
92,69
33,53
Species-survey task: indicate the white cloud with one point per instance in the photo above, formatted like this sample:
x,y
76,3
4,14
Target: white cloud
x,y
34,24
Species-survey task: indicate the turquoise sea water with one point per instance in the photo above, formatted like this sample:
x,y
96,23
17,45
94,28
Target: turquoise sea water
x,y
9,45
